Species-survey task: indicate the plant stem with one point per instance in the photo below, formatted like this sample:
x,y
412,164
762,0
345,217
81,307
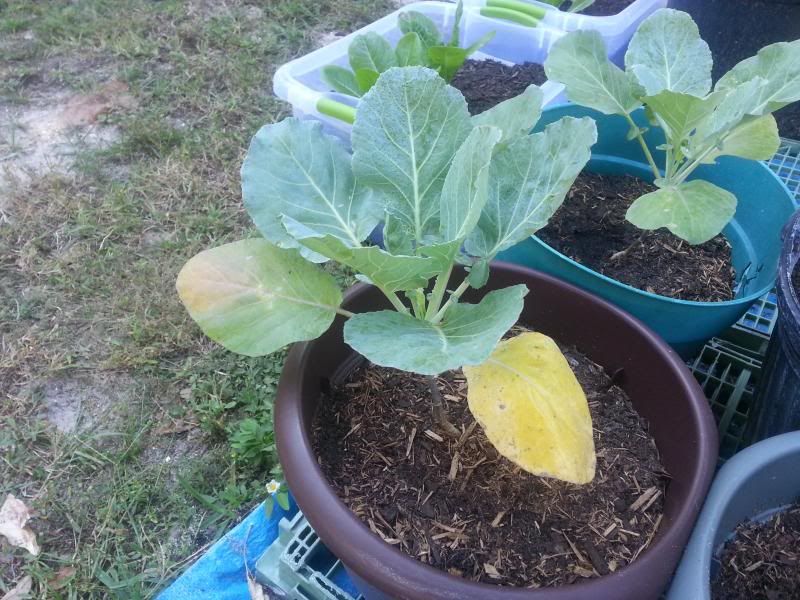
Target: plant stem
x,y
345,313
683,173
453,299
439,288
643,144
439,411
395,300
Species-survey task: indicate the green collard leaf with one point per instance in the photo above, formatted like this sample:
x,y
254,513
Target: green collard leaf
x,y
408,128
455,34
387,271
667,53
365,79
466,187
528,180
514,117
255,298
479,274
372,52
282,498
679,114
397,239
294,169
778,65
578,60
695,211
415,22
755,138
341,80
466,336
444,252
447,60
410,52
577,6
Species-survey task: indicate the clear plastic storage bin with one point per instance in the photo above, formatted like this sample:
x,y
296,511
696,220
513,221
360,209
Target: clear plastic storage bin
x,y
299,82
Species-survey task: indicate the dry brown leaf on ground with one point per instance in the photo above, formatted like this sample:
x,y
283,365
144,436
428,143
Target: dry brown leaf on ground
x,y
13,517
21,591
62,577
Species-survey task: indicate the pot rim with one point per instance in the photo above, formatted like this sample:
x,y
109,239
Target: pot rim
x,y
372,559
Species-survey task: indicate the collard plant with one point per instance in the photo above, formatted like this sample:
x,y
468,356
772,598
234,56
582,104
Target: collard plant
x,y
450,189
370,54
668,72
573,6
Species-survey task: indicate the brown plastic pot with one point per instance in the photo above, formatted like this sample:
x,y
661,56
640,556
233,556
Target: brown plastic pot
x,y
660,386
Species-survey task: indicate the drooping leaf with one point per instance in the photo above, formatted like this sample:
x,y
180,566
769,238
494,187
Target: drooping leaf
x,y
532,408
695,211
407,129
410,52
341,80
756,138
365,79
414,21
579,61
387,271
467,335
667,53
779,66
372,52
293,168
254,298
529,179
466,187
514,117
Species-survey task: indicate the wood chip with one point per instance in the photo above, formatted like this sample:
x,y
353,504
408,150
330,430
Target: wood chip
x,y
575,551
491,571
453,467
643,499
411,441
434,436
498,519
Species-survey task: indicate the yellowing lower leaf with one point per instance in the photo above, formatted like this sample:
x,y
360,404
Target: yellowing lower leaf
x,y
532,408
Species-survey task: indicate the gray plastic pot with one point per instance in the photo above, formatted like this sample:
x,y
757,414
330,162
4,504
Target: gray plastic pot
x,y
754,484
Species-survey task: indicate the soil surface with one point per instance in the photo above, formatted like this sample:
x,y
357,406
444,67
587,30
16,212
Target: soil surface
x,y
486,83
796,279
605,8
461,507
590,228
762,561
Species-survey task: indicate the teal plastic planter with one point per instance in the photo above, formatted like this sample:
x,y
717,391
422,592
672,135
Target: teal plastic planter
x,y
754,484
765,204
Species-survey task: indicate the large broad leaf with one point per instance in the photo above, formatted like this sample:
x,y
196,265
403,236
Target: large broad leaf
x,y
667,53
294,169
372,52
695,211
254,298
341,80
514,117
466,336
679,114
407,129
779,66
533,409
387,271
756,138
466,187
528,180
579,61
410,52
413,21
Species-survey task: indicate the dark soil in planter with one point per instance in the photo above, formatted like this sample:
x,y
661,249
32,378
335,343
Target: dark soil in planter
x,y
590,228
490,521
605,8
796,279
486,83
762,561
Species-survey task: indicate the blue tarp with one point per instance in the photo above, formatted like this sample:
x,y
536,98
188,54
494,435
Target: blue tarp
x,y
220,574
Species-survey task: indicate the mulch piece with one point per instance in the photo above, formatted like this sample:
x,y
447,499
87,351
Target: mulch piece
x,y
762,561
461,507
605,8
796,279
590,227
486,83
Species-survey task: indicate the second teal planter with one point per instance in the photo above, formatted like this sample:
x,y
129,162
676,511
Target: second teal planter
x,y
765,204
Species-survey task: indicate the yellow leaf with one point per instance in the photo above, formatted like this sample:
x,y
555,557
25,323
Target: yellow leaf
x,y
532,408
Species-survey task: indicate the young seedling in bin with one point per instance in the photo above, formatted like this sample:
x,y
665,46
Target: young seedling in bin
x,y
449,189
370,54
668,72
573,6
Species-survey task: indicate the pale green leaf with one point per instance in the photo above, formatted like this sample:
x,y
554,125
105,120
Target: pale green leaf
x,y
695,211
578,60
397,239
667,53
387,271
515,116
371,51
255,298
414,21
455,34
479,274
447,60
408,128
410,52
755,138
466,187
365,79
528,180
679,114
577,6
341,80
779,66
293,168
466,336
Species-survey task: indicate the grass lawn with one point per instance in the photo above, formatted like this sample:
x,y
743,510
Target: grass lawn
x,y
123,124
